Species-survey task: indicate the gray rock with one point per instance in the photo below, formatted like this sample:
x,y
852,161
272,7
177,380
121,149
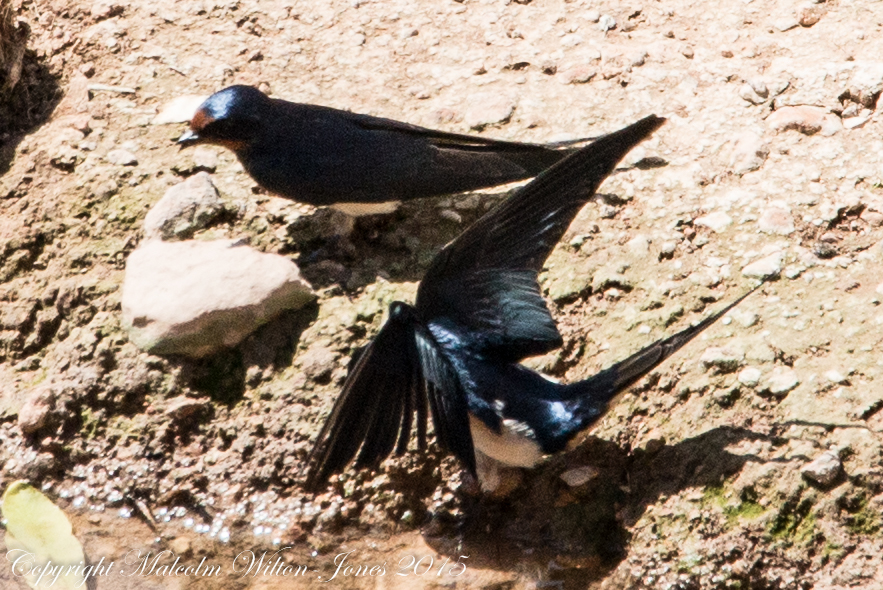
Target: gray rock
x,y
824,469
121,157
185,208
195,297
781,380
765,268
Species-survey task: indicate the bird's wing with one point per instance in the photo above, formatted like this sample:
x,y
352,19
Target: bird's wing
x,y
391,380
458,141
497,259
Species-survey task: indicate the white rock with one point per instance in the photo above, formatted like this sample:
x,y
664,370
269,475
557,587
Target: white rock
x,y
775,220
639,245
488,109
723,359
786,24
185,208
579,475
121,157
179,110
606,23
767,267
196,297
747,93
866,83
835,376
717,221
806,119
749,376
746,319
824,469
749,153
781,380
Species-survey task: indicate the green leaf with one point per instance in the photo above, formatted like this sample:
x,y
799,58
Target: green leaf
x,y
40,545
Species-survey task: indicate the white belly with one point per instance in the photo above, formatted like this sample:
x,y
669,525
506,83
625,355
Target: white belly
x,y
512,447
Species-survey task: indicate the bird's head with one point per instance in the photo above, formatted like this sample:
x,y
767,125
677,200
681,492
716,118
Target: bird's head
x,y
231,117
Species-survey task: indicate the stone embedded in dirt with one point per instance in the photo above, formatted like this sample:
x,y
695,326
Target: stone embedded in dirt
x,y
105,9
781,380
488,109
37,409
786,23
776,220
205,158
809,14
186,207
179,110
318,362
609,276
194,297
577,75
687,52
716,222
722,359
180,546
747,93
749,376
749,153
121,157
824,469
765,268
805,119
835,376
182,407
579,475
606,23
866,84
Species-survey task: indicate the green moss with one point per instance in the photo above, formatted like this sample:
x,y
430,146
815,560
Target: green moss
x,y
795,523
832,552
746,509
863,521
90,423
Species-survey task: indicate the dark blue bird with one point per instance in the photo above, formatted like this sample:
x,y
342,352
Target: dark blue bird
x,y
479,311
324,156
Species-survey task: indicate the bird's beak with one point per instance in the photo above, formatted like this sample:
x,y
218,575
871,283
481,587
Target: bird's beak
x,y
189,138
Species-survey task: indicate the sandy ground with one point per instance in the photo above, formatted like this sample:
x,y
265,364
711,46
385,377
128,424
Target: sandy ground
x,y
750,460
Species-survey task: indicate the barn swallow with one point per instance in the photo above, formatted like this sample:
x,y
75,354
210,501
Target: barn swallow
x,y
324,156
479,311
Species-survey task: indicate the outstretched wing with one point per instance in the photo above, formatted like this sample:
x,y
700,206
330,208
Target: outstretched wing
x,y
392,379
485,280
